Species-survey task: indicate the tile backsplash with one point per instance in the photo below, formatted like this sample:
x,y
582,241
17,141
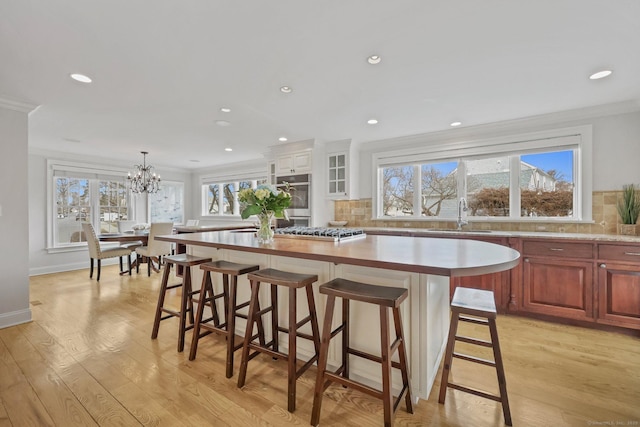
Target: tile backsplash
x,y
605,218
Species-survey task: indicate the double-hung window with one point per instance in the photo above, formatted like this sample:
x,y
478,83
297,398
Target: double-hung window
x,y
220,195
527,177
80,192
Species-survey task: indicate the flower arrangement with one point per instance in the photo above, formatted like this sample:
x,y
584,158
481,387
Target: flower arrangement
x,y
265,201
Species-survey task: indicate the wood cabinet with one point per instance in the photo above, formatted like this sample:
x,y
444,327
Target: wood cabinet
x,y
619,285
557,278
498,283
294,163
583,280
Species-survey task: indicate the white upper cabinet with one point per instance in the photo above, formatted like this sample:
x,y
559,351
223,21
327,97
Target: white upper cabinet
x,y
294,163
271,173
337,174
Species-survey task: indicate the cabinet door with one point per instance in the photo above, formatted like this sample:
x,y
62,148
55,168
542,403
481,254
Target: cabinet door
x,y
337,174
558,287
619,295
284,165
302,162
294,163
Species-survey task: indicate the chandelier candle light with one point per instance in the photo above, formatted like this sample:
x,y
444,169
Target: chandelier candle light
x,y
266,202
144,181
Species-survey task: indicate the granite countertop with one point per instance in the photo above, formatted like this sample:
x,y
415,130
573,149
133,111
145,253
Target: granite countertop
x,y
425,232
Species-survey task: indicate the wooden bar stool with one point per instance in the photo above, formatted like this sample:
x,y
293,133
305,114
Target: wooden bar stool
x,y
186,301
229,295
293,281
387,298
480,304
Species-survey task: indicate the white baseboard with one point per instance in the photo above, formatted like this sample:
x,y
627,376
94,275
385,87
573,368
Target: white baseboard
x,y
59,268
15,318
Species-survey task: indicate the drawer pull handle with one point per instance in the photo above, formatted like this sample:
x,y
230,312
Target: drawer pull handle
x,y
556,249
632,253
603,265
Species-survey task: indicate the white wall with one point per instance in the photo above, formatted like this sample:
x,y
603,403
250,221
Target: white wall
x,y
42,261
14,219
616,142
616,150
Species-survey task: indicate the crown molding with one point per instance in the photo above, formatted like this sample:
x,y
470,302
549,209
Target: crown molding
x,y
13,104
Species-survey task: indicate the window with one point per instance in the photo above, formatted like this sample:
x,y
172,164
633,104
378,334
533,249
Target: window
x,y
113,206
167,205
222,198
80,193
535,178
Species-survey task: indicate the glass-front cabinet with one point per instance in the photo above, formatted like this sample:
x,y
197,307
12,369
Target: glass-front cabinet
x,y
337,174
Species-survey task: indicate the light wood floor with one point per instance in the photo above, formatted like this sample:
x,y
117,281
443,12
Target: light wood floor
x,y
87,359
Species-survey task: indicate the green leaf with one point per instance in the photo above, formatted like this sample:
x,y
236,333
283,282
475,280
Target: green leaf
x,y
250,210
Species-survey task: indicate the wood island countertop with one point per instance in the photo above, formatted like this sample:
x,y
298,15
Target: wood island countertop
x,y
438,256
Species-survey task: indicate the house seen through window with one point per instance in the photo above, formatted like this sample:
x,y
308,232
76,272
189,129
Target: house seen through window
x,y
516,185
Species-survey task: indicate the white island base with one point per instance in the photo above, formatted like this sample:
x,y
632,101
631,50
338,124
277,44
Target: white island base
x,y
425,314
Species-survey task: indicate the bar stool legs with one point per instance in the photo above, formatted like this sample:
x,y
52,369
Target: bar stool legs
x,y
186,299
208,298
388,298
293,282
481,305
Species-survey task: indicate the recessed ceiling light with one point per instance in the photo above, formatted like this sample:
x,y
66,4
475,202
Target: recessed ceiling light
x,y
81,78
228,149
372,121
285,89
282,139
223,123
374,59
454,124
600,74
225,110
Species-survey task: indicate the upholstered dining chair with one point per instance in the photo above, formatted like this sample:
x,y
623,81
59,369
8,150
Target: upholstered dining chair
x,y
99,253
124,226
155,249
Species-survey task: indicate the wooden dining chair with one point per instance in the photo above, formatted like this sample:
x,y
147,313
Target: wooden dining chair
x,y
99,253
155,249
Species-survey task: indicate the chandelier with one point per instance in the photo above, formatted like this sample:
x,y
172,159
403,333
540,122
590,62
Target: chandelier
x,y
144,180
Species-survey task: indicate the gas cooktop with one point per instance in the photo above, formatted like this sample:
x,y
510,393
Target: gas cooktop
x,y
321,233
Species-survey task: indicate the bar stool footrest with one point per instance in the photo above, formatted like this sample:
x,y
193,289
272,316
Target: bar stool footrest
x,y
474,392
474,341
475,359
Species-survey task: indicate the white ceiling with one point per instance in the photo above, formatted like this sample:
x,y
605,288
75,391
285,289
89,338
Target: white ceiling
x,y
162,69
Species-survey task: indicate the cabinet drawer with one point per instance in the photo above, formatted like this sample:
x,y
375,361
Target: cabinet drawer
x,y
629,253
557,249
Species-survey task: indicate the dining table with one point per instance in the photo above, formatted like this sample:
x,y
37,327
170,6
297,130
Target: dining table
x,y
125,238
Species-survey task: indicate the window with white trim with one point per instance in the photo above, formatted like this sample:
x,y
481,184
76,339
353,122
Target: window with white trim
x,y
536,178
77,193
221,198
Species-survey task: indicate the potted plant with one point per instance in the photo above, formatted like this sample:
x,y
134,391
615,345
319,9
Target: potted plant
x,y
628,209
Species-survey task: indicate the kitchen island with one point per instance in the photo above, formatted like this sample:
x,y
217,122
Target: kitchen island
x,y
423,266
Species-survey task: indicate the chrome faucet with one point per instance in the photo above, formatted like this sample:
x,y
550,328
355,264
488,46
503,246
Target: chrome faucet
x,y
462,207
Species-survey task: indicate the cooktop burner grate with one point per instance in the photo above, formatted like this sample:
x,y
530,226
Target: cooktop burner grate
x,y
320,233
